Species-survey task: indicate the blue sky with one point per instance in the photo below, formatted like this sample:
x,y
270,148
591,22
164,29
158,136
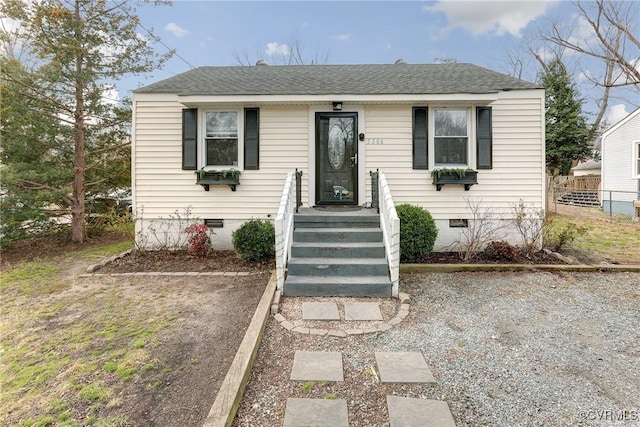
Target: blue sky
x,y
480,32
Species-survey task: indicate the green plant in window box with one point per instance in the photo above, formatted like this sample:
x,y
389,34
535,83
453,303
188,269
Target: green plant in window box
x,y
208,177
225,173
459,172
465,176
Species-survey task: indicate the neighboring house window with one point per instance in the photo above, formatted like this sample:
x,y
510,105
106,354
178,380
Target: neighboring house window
x,y
636,159
451,137
221,138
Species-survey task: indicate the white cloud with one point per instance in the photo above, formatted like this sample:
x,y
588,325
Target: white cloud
x,y
546,55
343,37
582,33
615,114
499,17
275,48
176,29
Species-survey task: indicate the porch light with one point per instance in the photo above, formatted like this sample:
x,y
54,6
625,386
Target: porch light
x,y
337,106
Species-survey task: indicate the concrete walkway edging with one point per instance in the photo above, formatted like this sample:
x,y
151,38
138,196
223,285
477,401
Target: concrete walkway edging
x,y
225,406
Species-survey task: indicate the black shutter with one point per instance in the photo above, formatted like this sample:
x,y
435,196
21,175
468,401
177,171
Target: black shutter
x,y
484,143
420,138
252,138
190,139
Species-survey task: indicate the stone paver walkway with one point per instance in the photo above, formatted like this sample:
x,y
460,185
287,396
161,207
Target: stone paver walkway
x,y
317,366
362,311
394,367
314,311
316,412
320,311
412,412
403,367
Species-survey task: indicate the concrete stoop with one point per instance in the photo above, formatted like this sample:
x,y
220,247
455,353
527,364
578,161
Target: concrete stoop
x,y
337,255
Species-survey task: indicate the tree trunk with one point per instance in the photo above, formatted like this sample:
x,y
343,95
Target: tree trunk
x,y
77,207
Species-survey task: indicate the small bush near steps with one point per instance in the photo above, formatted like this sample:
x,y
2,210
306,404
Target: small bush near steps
x,y
199,240
254,240
418,232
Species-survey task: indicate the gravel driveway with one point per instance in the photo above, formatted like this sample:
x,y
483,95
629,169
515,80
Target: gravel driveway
x,y
506,349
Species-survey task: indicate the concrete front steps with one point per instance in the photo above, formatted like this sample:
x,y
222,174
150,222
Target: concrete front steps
x,y
337,254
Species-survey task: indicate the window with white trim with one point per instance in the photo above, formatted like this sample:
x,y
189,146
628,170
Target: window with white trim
x,y
221,138
636,159
451,137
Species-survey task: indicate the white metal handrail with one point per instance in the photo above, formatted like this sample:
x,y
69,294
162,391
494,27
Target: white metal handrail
x,y
390,224
284,229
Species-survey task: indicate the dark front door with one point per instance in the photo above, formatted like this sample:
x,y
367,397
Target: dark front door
x,y
336,159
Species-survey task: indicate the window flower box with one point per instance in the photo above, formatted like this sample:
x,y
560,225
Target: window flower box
x,y
230,177
466,177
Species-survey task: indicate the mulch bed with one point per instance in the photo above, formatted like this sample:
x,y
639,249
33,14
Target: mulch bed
x,y
175,261
540,257
178,261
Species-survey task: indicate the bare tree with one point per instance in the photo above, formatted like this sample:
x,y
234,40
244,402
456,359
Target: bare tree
x,y
613,25
292,52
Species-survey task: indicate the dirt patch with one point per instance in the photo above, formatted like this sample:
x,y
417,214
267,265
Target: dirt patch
x,y
194,354
47,247
113,350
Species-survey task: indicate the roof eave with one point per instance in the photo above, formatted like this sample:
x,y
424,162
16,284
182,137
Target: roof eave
x,y
194,100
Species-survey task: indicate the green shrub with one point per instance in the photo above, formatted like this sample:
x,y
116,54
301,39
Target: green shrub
x,y
418,232
254,240
558,234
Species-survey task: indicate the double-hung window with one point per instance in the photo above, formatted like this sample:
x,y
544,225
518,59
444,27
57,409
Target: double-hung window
x,y
221,138
451,137
213,138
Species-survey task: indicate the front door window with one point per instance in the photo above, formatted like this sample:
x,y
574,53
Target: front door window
x,y
336,157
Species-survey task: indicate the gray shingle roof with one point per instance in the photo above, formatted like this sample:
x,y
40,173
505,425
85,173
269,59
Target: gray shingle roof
x,y
338,79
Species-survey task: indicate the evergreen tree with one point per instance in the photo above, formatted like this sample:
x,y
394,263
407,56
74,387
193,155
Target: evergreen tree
x,y
61,138
567,132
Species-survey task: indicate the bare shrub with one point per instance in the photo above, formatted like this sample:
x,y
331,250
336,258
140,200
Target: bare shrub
x,y
164,233
484,226
530,223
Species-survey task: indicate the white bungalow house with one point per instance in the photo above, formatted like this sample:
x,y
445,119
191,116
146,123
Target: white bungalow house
x,y
621,166
337,124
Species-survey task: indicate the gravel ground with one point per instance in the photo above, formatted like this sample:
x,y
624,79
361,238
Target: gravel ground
x,y
506,349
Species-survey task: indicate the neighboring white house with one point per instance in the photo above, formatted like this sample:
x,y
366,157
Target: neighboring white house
x,y
402,119
621,165
588,167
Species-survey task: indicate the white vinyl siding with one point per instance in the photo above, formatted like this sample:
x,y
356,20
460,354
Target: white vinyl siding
x,y
161,187
619,161
518,158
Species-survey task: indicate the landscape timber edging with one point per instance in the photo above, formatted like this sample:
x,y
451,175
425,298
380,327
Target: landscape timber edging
x,y
225,406
452,268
